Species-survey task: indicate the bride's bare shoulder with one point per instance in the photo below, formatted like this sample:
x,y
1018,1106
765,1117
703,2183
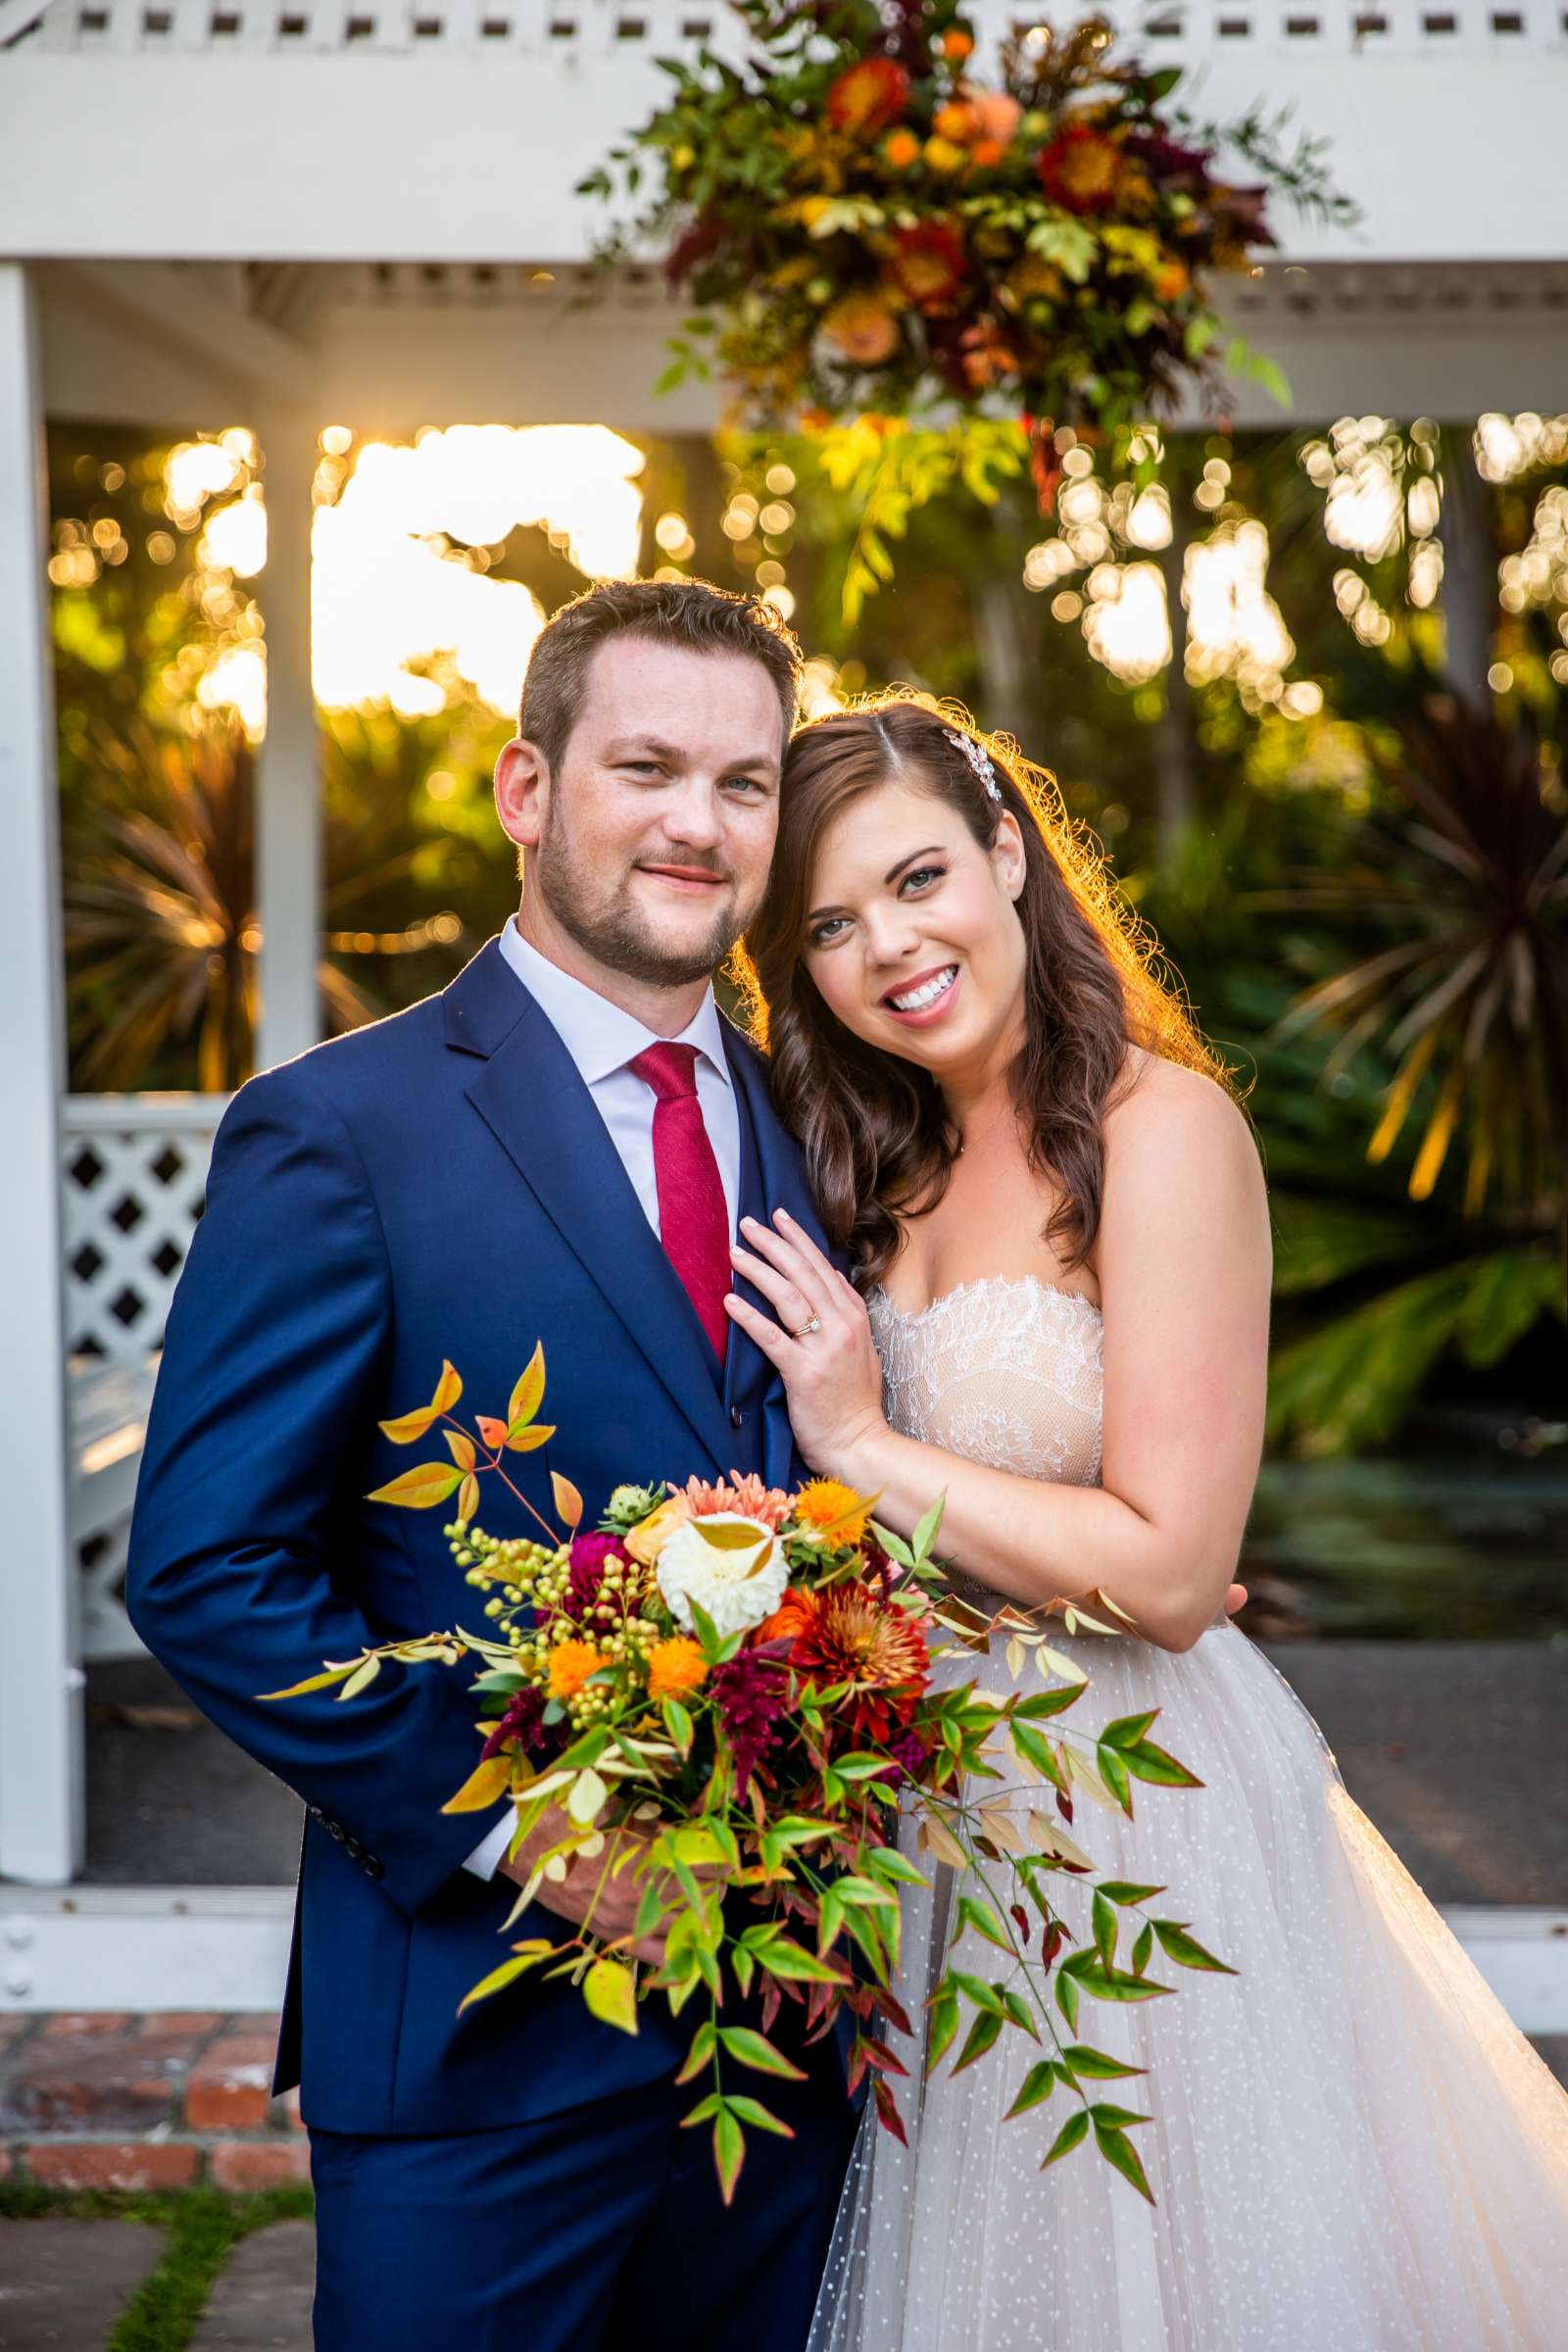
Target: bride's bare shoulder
x,y
1159,1108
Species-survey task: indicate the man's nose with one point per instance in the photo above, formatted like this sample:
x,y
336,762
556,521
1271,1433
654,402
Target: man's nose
x,y
693,815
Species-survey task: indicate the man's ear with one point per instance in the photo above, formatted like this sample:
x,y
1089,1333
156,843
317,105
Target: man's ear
x,y
522,792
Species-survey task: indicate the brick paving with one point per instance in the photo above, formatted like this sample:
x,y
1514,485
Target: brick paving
x,y
107,2100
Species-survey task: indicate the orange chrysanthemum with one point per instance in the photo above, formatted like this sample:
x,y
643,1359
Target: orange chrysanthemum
x,y
570,1665
826,1502
676,1666
1080,169
747,1496
856,1638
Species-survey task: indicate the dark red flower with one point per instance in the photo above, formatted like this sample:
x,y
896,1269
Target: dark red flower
x,y
522,1726
586,1570
928,263
909,1755
750,1692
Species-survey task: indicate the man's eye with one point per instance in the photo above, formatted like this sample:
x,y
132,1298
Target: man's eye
x,y
743,783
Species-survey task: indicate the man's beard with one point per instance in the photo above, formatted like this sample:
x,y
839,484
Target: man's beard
x,y
607,923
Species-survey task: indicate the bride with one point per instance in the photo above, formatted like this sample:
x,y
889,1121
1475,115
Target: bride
x,y
1061,1237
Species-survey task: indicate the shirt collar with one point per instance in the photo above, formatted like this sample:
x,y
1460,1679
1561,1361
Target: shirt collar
x,y
599,1036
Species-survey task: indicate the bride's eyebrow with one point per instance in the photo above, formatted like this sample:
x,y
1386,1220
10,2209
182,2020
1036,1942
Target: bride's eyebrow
x,y
933,850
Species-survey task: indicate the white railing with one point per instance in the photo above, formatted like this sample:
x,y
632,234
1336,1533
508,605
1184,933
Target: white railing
x,y
570,32
134,1178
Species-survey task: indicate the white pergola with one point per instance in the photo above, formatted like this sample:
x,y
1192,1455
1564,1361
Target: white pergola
x,y
291,214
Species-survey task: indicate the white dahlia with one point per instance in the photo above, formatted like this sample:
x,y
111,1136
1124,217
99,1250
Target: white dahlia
x,y
733,1567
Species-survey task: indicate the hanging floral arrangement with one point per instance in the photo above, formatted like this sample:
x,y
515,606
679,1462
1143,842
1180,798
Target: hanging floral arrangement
x,y
871,226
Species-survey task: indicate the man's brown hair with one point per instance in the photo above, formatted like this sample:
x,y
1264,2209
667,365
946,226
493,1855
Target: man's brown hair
x,y
691,614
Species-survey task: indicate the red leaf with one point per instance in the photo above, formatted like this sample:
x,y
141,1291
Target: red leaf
x,y
492,1432
887,2108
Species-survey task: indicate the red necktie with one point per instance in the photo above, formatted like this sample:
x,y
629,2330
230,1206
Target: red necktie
x,y
693,1216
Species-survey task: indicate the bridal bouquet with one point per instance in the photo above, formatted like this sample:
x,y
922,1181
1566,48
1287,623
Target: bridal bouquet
x,y
745,1676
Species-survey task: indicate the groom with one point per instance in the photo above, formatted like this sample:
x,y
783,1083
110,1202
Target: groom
x,y
558,1146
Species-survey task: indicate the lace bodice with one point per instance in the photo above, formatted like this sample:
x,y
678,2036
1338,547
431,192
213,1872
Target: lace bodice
x,y
1006,1371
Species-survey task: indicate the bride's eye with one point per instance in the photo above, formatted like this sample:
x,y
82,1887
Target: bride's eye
x,y
821,934
922,876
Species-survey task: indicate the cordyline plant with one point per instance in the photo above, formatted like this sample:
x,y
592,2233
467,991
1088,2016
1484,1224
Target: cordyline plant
x,y
726,1690
868,225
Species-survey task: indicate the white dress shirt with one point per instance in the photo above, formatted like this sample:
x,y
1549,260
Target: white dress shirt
x,y
603,1041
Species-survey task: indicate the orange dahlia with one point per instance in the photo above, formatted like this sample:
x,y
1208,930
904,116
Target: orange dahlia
x,y
863,328
855,1636
794,1612
570,1665
676,1666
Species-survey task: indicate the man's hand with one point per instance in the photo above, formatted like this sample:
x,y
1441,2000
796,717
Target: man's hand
x,y
601,1892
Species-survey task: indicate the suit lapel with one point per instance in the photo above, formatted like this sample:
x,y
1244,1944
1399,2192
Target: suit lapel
x,y
532,1096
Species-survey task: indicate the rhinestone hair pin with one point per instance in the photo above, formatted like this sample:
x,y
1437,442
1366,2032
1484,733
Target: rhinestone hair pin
x,y
979,759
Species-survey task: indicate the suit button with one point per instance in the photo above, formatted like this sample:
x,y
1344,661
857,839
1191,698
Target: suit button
x,y
335,1829
374,1867
316,1813
737,1419
354,1849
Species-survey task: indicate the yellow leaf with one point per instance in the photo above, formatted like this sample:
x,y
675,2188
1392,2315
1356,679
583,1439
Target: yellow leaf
x,y
409,1425
468,1498
315,1682
460,1448
359,1679
529,1440
419,1488
568,1502
485,1785
1002,1828
527,1394
611,1991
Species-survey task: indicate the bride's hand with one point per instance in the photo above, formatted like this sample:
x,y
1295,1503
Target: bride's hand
x,y
831,1374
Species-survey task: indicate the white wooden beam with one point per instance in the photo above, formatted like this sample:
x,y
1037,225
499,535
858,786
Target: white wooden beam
x,y
288,814
41,1781
190,315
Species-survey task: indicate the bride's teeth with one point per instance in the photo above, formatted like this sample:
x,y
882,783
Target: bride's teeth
x,y
920,998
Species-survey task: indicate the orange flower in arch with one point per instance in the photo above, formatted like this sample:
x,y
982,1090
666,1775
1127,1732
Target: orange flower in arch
x,y
1081,168
928,263
869,97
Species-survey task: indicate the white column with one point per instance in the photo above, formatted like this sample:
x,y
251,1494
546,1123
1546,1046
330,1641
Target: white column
x,y
288,813
43,1819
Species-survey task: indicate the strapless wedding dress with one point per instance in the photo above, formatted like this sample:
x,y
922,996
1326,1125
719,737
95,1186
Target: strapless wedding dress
x,y
1352,2150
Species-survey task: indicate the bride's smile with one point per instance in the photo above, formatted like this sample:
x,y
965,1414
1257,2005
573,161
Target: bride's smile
x,y
920,948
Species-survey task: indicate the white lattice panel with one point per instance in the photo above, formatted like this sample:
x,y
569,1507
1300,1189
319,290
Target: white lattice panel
x,y
134,1177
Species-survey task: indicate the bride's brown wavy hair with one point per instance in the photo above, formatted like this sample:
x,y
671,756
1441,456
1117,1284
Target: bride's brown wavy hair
x,y
879,1146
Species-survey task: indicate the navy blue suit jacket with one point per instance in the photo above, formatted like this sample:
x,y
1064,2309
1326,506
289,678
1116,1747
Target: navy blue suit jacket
x,y
438,1185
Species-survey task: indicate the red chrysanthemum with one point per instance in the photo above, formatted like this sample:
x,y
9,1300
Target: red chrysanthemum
x,y
1081,168
928,263
853,1636
869,97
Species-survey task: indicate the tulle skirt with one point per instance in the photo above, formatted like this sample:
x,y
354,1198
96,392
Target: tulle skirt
x,y
1351,2145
